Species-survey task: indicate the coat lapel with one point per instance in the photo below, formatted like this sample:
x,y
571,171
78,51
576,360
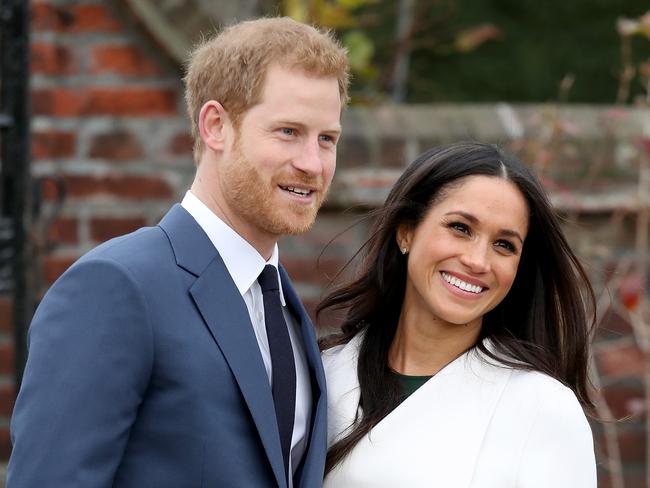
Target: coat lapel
x,y
438,431
226,316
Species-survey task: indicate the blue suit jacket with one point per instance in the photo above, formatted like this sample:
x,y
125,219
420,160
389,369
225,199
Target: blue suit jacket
x,y
144,371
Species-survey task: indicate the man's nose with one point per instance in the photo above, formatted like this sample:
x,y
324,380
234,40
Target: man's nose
x,y
309,160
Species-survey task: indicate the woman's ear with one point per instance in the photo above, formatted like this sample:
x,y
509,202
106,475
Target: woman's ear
x,y
404,236
213,125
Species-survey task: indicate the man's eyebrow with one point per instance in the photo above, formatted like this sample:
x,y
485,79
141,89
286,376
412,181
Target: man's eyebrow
x,y
474,220
335,129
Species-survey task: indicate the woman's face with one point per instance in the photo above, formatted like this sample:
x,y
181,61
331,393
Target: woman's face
x,y
463,256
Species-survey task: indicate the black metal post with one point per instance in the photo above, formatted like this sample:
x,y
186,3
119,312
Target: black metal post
x,y
14,154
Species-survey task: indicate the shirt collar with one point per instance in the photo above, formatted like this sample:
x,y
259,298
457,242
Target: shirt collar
x,y
242,260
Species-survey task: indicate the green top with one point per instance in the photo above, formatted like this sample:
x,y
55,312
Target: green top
x,y
410,383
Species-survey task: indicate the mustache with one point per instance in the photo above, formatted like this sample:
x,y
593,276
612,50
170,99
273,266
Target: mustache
x,y
299,179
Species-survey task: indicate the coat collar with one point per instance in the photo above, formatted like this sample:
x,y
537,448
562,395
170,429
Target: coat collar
x,y
446,418
191,246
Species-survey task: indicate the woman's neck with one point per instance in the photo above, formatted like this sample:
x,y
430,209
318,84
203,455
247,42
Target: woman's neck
x,y
424,347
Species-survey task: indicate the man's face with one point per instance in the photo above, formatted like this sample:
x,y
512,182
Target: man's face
x,y
277,172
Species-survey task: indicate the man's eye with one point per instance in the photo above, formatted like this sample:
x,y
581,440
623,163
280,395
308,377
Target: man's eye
x,y
326,138
288,131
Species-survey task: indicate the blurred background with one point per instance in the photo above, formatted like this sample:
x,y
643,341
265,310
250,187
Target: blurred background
x,y
94,143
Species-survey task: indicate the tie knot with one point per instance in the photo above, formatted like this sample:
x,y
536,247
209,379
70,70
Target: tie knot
x,y
268,279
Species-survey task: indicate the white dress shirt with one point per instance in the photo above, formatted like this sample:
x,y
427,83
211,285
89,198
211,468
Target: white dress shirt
x,y
245,264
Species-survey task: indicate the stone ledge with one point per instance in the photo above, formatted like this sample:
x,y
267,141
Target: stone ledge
x,y
368,188
493,122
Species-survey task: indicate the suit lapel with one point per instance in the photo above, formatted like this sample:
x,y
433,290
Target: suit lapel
x,y
226,316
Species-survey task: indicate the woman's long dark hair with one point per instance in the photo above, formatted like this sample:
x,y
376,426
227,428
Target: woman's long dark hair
x,y
541,325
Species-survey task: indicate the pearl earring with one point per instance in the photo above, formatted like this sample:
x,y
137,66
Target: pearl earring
x,y
404,250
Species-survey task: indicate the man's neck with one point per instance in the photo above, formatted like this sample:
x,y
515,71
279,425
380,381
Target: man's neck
x,y
264,245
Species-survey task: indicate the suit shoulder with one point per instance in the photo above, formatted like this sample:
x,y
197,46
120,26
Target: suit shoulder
x,y
137,254
148,245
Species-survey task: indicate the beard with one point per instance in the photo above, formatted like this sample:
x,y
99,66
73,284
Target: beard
x,y
259,202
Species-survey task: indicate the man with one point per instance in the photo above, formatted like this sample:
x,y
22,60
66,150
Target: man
x,y
171,357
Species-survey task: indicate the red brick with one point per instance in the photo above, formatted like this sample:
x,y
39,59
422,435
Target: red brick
x,y
328,322
7,399
311,270
393,152
116,146
6,358
52,189
630,479
73,18
354,151
53,144
102,229
5,444
47,17
6,314
624,400
103,101
57,102
52,59
619,361
632,446
613,325
121,186
122,60
94,18
181,144
63,230
55,266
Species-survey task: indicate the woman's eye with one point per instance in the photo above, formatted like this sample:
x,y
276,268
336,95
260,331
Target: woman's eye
x,y
507,245
459,226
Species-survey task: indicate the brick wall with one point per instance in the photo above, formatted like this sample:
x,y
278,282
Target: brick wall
x,y
109,122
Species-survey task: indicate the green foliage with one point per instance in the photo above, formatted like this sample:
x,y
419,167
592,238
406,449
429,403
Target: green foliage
x,y
489,50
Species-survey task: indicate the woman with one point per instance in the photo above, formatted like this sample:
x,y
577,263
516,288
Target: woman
x,y
462,360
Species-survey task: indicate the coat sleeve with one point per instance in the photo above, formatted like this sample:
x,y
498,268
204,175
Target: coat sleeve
x,y
559,449
89,362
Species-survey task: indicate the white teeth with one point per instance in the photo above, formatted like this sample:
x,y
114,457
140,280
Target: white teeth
x,y
461,284
298,191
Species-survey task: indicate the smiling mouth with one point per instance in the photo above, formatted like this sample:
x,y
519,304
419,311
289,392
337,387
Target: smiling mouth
x,y
458,283
301,192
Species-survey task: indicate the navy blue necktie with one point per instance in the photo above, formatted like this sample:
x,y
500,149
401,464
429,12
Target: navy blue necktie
x,y
283,378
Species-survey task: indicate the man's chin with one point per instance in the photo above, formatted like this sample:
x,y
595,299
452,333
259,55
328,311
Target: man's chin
x,y
294,224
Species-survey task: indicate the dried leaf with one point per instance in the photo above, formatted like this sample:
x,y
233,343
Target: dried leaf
x,y
630,291
468,40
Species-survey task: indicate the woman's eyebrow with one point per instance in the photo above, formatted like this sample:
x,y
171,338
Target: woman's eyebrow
x,y
474,220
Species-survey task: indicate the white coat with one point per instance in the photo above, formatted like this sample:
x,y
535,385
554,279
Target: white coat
x,y
475,424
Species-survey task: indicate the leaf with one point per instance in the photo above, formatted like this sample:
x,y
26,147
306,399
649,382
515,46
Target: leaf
x,y
360,50
630,290
335,16
355,4
296,9
468,40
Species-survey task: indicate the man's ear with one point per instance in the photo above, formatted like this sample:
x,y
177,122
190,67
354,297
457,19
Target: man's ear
x,y
214,124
